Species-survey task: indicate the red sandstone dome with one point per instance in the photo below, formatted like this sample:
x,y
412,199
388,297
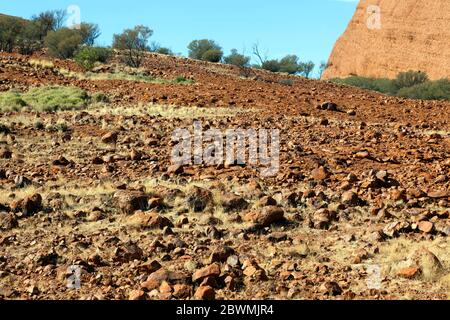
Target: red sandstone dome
x,y
386,37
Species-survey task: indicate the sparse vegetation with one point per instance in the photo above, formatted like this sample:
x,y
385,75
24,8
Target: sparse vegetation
x,y
11,101
44,99
87,57
411,84
134,44
237,59
206,50
63,43
429,90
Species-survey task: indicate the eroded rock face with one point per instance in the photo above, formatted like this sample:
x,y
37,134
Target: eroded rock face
x,y
410,35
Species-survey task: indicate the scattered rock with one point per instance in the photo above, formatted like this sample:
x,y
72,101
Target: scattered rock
x,y
175,169
232,202
267,216
8,221
212,270
330,288
136,295
27,206
150,220
205,293
350,198
198,198
409,273
128,252
130,201
426,226
61,161
110,137
319,174
182,291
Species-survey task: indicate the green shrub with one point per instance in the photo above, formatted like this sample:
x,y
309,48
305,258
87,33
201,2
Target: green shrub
x,y
28,39
100,97
424,89
10,28
11,101
237,59
56,98
430,90
63,43
381,85
271,65
410,78
87,57
206,50
289,64
61,126
38,124
212,56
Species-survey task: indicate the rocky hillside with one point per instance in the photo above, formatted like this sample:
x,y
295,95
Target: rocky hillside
x,y
412,35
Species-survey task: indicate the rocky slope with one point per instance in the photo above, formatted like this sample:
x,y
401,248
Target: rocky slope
x,y
413,35
358,210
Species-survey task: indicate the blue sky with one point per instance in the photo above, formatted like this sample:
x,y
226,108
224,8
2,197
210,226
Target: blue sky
x,y
307,28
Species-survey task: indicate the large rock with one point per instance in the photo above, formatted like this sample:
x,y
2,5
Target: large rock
x,y
232,202
267,216
27,206
413,35
430,265
198,198
130,201
8,221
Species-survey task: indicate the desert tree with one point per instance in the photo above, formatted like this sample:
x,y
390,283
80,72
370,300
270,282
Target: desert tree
x,y
306,68
28,39
206,50
237,59
63,43
10,28
89,33
51,20
289,64
134,44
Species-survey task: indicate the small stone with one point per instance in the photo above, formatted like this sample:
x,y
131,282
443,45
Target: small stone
x,y
110,137
128,252
181,291
426,226
205,293
351,198
319,174
175,169
151,266
331,288
409,273
212,270
136,295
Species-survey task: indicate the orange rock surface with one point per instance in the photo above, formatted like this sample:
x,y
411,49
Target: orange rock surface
x,y
386,37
